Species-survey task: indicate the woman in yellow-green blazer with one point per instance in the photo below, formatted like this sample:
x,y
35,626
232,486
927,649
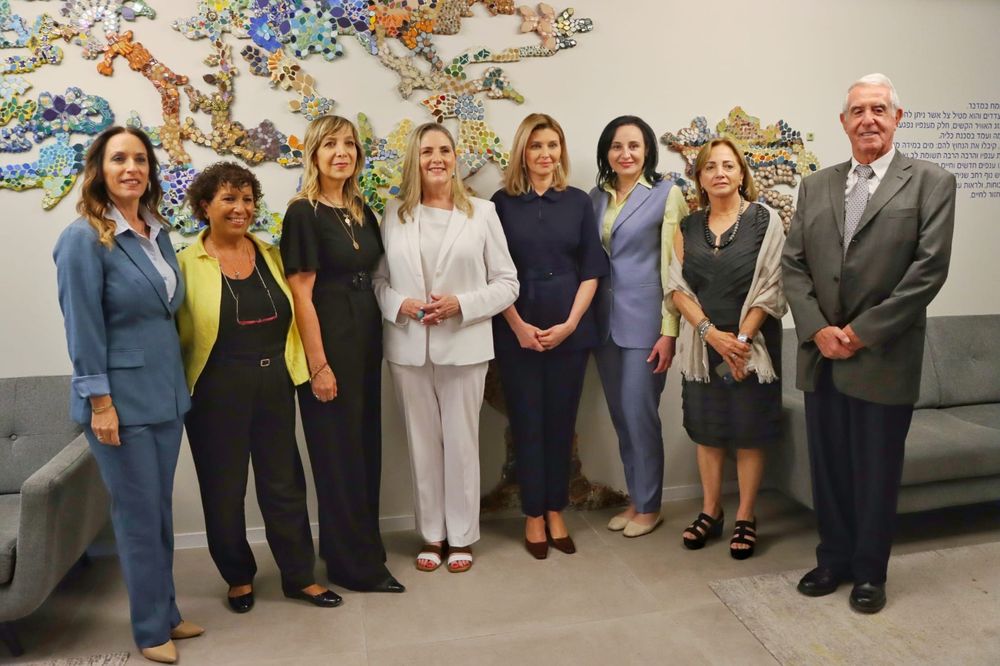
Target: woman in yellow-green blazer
x,y
242,357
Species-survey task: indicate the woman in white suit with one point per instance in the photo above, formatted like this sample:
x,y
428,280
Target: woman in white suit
x,y
445,272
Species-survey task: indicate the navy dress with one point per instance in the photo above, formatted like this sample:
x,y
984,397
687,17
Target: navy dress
x,y
745,414
554,243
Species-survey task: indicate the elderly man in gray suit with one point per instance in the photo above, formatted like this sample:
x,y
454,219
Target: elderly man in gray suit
x,y
867,251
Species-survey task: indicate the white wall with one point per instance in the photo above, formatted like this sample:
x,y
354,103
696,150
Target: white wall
x,y
664,61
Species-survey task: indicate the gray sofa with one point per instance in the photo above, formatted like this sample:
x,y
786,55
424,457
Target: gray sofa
x,y
953,447
52,500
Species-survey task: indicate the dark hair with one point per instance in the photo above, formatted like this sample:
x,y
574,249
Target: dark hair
x,y
94,198
207,184
605,174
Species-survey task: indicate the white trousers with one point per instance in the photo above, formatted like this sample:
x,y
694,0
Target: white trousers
x,y
441,406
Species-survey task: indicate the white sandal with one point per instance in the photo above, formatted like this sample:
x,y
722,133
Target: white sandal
x,y
430,552
459,555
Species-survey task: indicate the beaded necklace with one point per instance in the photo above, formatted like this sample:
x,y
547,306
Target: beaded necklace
x,y
710,237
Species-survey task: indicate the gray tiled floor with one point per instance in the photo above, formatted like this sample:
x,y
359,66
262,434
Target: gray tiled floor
x,y
619,601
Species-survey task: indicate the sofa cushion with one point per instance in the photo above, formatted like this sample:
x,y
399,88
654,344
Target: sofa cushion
x,y
941,446
965,358
10,511
984,415
34,426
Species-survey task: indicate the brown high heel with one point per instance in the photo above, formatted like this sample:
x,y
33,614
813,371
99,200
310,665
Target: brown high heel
x,y
562,544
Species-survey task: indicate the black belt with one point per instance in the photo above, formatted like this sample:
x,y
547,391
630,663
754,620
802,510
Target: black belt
x,y
262,359
360,281
531,274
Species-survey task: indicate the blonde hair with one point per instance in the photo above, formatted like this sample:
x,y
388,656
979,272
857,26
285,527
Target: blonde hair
x,y
94,198
748,189
411,187
319,129
515,179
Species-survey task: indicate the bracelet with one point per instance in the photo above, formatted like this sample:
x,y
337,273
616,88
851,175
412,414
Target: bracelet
x,y
744,338
101,410
321,368
703,327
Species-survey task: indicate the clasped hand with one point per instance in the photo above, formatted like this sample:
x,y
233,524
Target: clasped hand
x,y
437,310
537,339
736,354
837,343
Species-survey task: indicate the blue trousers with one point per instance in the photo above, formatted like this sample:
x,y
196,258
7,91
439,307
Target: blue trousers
x,y
139,476
633,395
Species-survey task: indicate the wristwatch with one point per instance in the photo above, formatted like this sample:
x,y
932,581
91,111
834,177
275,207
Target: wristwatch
x,y
744,338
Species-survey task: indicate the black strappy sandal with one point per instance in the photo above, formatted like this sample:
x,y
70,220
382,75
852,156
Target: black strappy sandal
x,y
744,529
706,527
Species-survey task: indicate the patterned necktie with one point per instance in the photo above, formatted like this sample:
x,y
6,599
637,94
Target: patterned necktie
x,y
856,202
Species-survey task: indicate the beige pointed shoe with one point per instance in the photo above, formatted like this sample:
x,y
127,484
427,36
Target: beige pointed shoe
x,y
634,529
186,630
164,654
617,523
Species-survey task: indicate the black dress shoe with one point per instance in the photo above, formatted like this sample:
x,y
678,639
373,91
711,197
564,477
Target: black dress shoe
x,y
868,597
242,603
390,584
820,582
325,599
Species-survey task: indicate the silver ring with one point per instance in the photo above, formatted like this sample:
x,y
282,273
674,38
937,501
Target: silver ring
x,y
316,395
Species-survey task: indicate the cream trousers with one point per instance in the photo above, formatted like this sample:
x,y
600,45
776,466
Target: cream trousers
x,y
441,406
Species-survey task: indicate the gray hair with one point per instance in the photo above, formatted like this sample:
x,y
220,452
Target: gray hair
x,y
876,79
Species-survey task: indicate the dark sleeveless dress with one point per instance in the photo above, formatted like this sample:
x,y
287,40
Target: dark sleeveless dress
x,y
744,414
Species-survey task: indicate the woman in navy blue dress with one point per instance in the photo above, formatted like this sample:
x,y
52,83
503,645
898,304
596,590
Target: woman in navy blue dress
x,y
542,340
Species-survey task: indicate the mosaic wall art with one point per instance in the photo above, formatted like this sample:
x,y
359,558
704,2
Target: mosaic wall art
x,y
776,154
285,41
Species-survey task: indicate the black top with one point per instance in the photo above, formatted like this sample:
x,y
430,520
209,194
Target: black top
x,y
319,241
554,242
264,327
722,280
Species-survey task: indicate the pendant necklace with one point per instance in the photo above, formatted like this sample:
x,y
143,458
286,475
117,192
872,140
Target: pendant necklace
x,y
345,220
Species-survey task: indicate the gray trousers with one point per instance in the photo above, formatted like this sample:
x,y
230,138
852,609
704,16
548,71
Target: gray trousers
x,y
633,395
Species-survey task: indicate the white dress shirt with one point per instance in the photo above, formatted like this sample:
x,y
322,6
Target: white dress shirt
x,y
879,166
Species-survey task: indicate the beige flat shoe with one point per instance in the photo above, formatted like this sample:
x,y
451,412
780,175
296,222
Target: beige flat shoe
x,y
618,523
164,654
186,630
634,529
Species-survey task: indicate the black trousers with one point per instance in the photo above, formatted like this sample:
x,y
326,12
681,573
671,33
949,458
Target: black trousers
x,y
242,412
856,460
344,437
542,391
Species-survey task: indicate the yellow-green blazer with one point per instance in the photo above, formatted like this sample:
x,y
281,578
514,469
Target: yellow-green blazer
x,y
198,317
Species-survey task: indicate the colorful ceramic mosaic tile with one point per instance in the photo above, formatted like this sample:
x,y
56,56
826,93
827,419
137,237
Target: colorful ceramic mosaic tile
x,y
775,154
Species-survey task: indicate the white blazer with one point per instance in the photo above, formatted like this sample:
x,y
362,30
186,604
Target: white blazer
x,y
474,264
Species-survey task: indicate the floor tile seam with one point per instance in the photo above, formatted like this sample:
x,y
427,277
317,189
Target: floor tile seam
x,y
746,626
514,632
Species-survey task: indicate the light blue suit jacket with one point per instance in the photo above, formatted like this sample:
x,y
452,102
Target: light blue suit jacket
x,y
120,326
628,302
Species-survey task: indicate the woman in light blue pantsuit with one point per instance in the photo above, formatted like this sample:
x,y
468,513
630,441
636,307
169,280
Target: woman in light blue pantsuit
x,y
119,287
637,214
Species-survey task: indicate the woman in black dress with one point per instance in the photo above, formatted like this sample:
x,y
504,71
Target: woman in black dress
x,y
543,339
726,283
330,242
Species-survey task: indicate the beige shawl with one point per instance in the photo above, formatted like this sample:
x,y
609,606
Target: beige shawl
x,y
765,293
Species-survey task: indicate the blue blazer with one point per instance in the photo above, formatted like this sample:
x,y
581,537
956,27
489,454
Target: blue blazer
x,y
628,302
120,326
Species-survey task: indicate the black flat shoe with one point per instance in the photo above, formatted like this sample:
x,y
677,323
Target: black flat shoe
x,y
325,599
242,603
868,597
820,582
390,584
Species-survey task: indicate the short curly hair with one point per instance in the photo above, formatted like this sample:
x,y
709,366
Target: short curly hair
x,y
207,184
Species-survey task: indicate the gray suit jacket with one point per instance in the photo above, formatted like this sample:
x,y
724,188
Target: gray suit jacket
x,y
894,266
120,327
628,302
